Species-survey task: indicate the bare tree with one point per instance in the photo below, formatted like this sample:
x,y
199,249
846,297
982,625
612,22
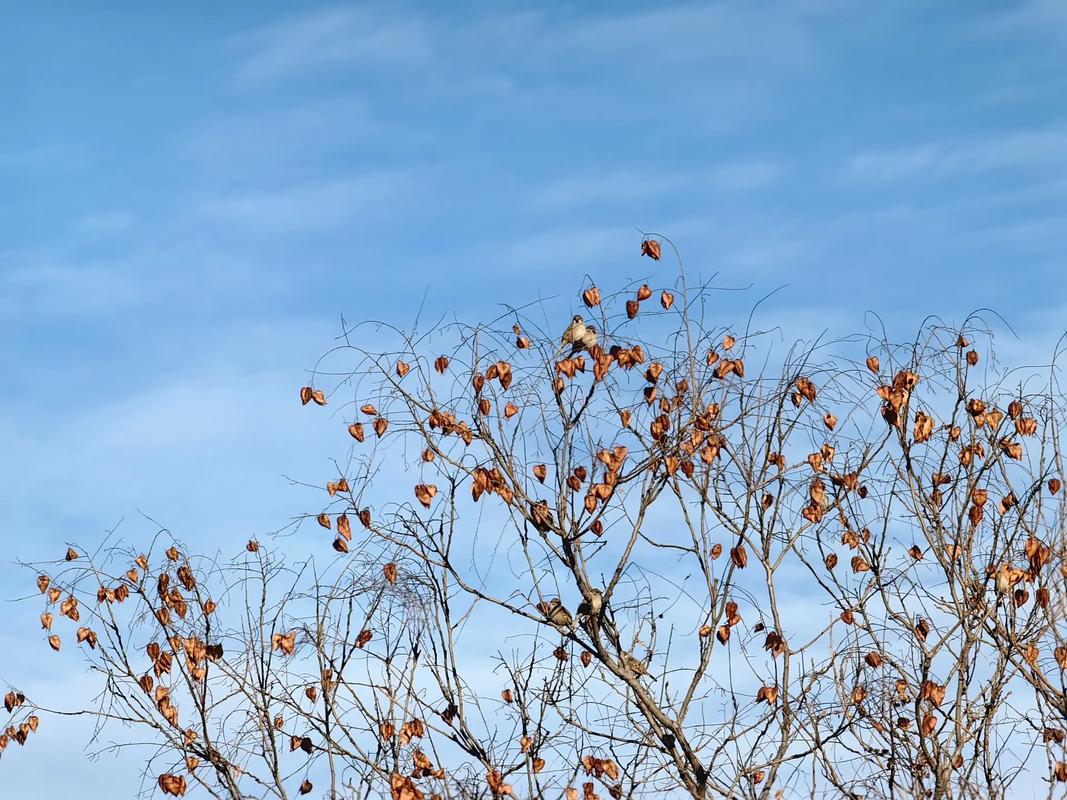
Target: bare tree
x,y
649,557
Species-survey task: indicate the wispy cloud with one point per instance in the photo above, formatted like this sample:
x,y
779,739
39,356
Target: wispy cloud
x,y
599,188
1027,148
1045,18
605,188
326,39
43,288
314,205
104,223
288,138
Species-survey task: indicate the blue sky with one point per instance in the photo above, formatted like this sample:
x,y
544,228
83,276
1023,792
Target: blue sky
x,y
194,193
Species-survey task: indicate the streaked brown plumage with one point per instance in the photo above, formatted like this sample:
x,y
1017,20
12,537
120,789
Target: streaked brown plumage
x,y
590,607
557,613
634,664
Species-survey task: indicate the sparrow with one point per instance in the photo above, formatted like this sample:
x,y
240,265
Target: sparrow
x,y
1007,577
591,605
587,342
556,613
578,335
634,664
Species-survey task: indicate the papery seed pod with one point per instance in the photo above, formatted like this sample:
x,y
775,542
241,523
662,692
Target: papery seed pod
x,y
922,629
739,556
651,248
424,493
591,297
768,695
929,724
666,299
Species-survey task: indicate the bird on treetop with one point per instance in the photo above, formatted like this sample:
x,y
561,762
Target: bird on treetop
x,y
579,335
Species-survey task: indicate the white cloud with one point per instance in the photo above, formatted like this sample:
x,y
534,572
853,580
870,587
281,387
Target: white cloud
x,y
605,187
599,188
1045,148
288,138
1046,18
46,287
312,206
104,223
326,39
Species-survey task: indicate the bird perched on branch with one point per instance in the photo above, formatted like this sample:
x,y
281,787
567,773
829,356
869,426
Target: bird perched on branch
x,y
591,605
556,613
579,336
589,611
634,664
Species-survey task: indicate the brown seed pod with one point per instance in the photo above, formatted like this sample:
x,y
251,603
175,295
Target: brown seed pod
x,y
652,249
